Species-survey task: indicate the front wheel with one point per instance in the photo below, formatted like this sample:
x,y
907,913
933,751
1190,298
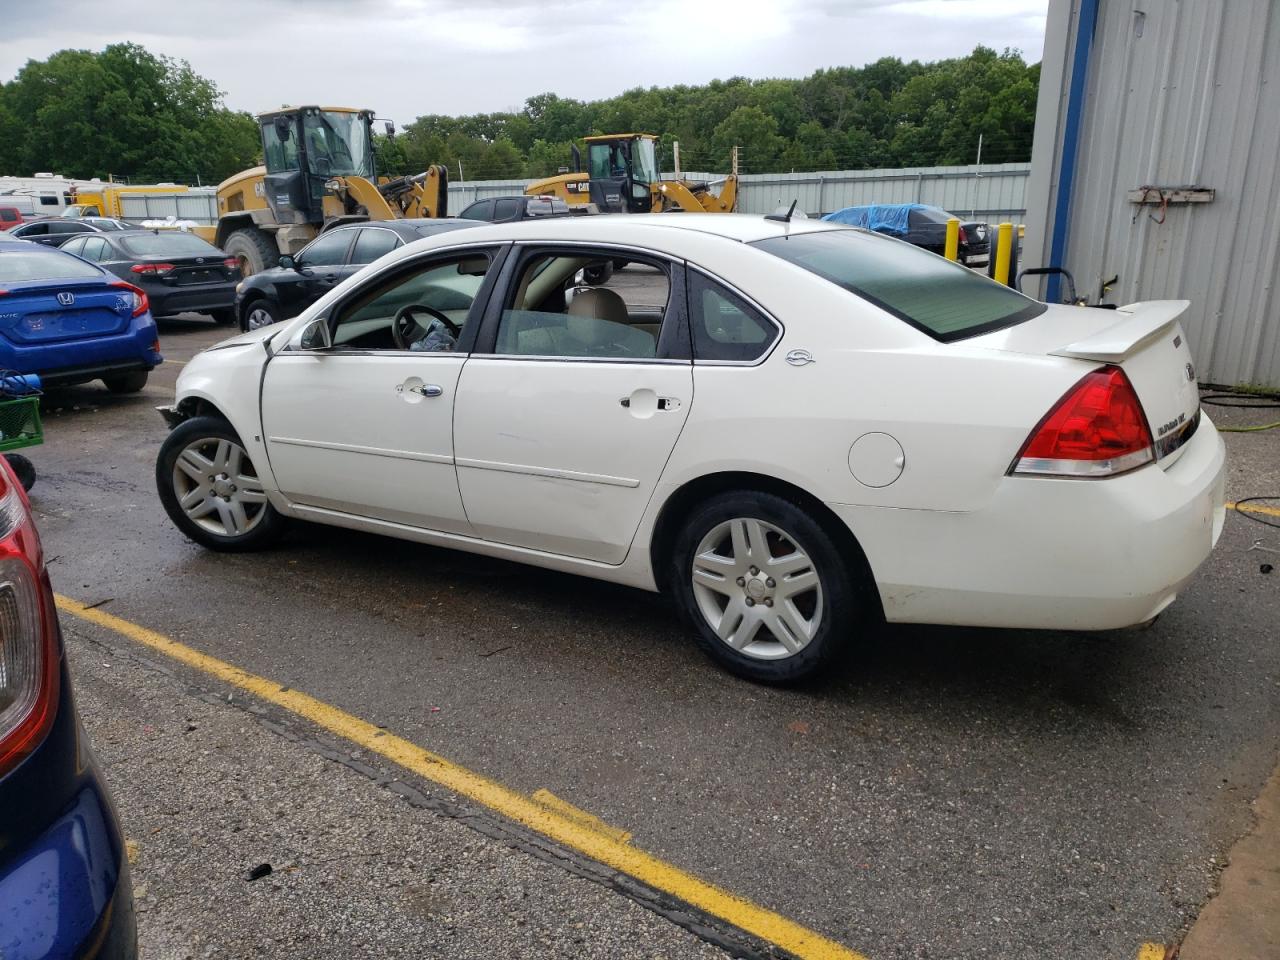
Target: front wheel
x,y
210,489
769,595
259,313
23,469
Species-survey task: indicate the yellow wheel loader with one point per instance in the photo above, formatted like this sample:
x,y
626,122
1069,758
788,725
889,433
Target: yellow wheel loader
x,y
622,177
318,171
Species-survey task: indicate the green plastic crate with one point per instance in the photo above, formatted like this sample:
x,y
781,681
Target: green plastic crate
x,y
20,423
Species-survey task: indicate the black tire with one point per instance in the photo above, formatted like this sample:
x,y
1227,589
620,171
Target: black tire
x,y
206,432
130,382
261,304
223,318
23,468
841,600
255,249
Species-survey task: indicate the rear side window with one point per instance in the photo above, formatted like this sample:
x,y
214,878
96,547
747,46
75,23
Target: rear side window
x,y
481,210
168,245
726,329
506,209
372,243
8,215
945,300
43,265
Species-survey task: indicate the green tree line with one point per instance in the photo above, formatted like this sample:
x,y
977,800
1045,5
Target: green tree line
x,y
125,113
129,113
886,114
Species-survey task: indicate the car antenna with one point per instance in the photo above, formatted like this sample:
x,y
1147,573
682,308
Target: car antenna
x,y
783,217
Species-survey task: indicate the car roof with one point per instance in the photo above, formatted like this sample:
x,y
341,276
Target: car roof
x,y
621,227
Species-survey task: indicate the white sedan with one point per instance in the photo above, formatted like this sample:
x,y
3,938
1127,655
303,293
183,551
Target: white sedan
x,y
793,428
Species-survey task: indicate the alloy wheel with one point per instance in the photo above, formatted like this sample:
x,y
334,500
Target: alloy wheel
x,y
217,487
258,317
757,588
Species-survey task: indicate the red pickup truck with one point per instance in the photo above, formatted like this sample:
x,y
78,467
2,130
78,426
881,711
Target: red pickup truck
x,y
10,217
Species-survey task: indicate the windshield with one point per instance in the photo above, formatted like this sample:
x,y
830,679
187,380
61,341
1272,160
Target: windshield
x,y
338,144
169,245
42,265
644,164
945,300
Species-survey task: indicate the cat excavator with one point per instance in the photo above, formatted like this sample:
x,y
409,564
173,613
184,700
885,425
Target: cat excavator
x,y
622,177
318,171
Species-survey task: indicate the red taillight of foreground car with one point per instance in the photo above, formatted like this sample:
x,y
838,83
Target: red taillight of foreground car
x,y
140,302
152,269
1097,430
28,638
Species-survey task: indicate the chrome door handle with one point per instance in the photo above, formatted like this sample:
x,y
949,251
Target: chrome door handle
x,y
421,389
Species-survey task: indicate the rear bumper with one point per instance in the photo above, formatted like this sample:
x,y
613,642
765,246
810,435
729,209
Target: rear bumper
x,y
167,301
73,361
1049,553
64,877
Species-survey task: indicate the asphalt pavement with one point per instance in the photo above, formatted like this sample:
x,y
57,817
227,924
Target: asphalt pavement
x,y
945,793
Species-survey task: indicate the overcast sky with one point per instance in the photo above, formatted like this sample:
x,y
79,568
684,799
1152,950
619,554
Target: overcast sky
x,y
404,58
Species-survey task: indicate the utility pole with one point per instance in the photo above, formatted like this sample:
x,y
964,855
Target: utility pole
x,y
675,149
461,178
735,159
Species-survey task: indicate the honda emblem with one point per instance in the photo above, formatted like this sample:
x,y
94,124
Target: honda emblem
x,y
66,299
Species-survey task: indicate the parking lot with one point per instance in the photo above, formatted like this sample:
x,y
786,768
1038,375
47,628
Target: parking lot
x,y
946,793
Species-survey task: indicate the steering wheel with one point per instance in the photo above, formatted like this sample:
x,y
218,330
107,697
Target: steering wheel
x,y
404,329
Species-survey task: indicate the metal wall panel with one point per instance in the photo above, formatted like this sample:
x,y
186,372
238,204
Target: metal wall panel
x,y
989,191
1177,93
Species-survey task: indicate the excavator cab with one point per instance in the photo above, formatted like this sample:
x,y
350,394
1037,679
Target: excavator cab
x,y
305,147
621,170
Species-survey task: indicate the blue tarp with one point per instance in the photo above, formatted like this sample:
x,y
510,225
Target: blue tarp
x,y
890,218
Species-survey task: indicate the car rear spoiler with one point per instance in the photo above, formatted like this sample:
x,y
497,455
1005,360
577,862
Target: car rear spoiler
x,y
1137,324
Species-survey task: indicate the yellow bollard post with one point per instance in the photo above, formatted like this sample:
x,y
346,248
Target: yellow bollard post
x,y
1004,250
952,251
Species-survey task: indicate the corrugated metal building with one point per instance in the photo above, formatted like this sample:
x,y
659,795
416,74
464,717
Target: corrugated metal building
x,y
1141,96
990,191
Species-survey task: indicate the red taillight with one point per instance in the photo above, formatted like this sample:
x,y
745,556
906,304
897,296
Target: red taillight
x,y
231,263
1097,430
28,639
152,269
140,302
964,237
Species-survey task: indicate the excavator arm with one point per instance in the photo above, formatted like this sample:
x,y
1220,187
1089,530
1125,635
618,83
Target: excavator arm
x,y
423,195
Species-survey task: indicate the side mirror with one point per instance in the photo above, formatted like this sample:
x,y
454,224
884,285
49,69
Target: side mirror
x,y
316,335
286,263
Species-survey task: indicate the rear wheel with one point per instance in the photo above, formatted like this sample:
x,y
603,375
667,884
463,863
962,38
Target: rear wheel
x,y
210,488
769,595
259,313
598,274
255,249
130,382
223,318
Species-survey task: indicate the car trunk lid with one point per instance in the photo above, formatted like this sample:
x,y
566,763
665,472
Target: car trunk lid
x,y
1145,339
64,310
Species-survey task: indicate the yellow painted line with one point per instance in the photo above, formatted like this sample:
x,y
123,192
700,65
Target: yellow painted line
x,y
1254,508
1152,951
554,824
588,820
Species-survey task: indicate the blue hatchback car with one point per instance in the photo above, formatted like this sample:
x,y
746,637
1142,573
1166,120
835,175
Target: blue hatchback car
x,y
70,321
64,876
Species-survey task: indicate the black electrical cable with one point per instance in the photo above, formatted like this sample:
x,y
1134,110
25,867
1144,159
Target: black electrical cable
x,y
1259,401
1256,518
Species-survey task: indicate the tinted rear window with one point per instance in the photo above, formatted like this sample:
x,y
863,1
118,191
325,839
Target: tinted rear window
x,y
168,245
945,300
16,266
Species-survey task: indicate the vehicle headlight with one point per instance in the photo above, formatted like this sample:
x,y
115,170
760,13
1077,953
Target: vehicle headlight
x,y
333,186
239,286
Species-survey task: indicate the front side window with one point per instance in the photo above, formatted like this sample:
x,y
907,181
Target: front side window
x,y
327,250
9,215
69,226
726,329
32,230
424,308
280,147
553,311
932,294
644,162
